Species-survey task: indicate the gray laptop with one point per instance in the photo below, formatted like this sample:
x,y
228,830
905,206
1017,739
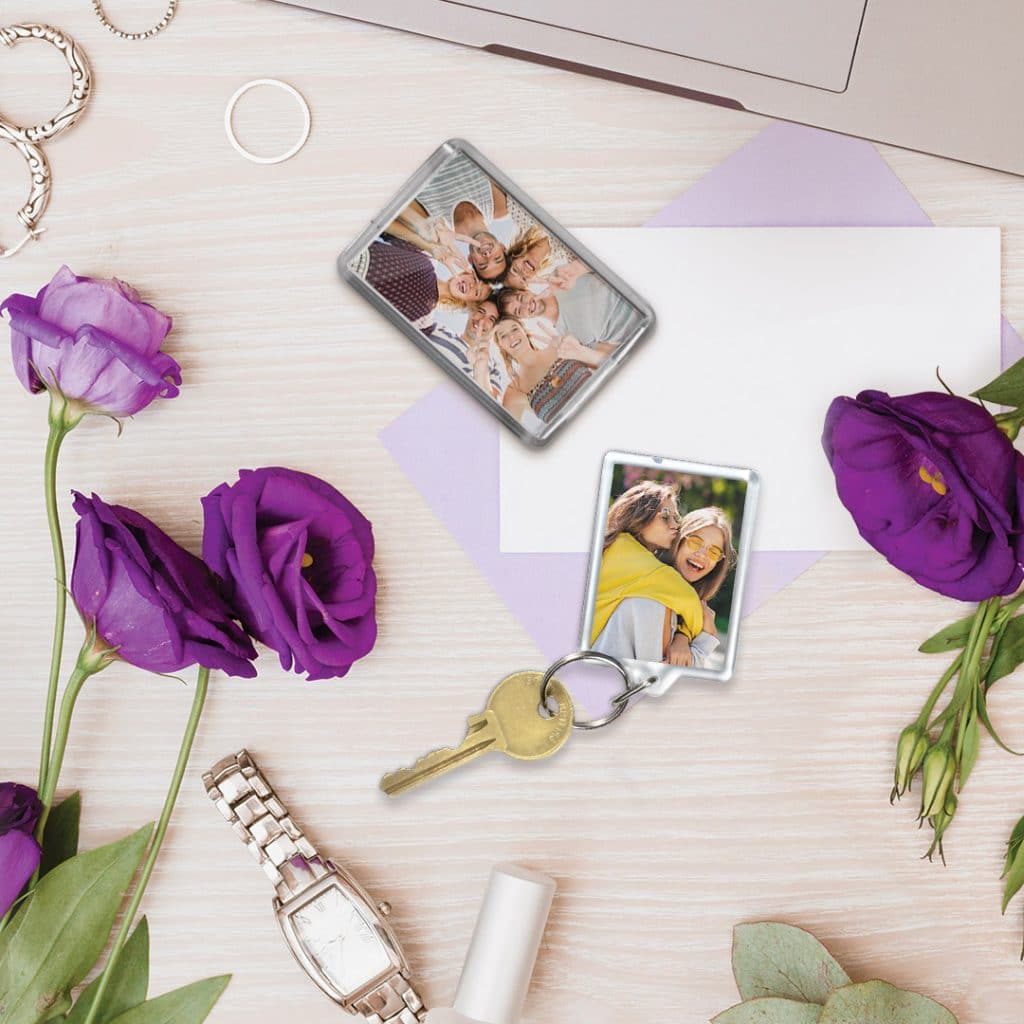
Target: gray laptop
x,y
940,76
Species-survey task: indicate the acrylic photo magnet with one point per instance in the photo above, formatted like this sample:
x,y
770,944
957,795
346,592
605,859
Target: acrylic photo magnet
x,y
496,293
670,552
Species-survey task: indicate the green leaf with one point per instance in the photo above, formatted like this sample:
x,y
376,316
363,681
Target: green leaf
x,y
1014,875
1006,389
770,1011
1013,845
772,959
1010,653
950,638
970,743
188,1005
987,722
878,1002
63,928
128,984
60,839
59,1008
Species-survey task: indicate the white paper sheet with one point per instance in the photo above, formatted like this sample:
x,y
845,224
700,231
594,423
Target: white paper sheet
x,y
758,329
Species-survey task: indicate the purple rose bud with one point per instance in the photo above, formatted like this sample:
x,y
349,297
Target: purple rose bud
x,y
94,341
935,486
19,852
295,556
149,598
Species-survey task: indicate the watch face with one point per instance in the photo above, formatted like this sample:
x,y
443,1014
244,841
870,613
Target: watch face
x,y
336,937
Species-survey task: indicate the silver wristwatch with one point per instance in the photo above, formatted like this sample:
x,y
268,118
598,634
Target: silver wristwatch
x,y
337,934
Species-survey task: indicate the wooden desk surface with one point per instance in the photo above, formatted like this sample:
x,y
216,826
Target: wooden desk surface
x,y
767,800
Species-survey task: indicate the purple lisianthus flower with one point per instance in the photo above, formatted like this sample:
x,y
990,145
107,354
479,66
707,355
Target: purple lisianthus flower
x,y
148,598
935,486
295,557
94,341
19,852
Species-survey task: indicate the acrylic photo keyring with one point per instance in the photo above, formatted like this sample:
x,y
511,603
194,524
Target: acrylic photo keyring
x,y
671,546
496,293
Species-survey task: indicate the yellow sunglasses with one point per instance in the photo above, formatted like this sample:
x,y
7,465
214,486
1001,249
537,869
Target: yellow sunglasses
x,y
692,544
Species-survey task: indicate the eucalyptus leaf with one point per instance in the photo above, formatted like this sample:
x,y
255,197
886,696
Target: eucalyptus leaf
x,y
1010,653
60,838
949,639
1006,389
62,930
129,981
772,959
1014,876
878,1002
188,1005
770,1010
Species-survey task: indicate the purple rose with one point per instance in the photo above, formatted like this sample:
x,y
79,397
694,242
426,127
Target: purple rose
x,y
149,598
94,341
935,486
19,852
295,556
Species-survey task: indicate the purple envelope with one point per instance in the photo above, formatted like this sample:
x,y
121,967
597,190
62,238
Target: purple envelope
x,y
787,176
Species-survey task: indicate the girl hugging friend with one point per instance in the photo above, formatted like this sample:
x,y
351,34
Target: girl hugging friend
x,y
658,573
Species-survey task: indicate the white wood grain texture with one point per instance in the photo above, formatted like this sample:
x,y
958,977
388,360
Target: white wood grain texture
x,y
767,799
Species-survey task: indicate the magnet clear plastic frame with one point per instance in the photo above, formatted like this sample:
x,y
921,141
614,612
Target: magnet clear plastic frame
x,y
696,520
497,293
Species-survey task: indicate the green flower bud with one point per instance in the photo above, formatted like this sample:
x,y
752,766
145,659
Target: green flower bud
x,y
945,816
910,750
1010,423
939,769
940,822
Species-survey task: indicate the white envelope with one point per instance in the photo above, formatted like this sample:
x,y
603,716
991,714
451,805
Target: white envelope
x,y
758,330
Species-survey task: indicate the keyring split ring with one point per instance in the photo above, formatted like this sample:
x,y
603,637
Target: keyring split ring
x,y
229,127
39,191
81,81
619,702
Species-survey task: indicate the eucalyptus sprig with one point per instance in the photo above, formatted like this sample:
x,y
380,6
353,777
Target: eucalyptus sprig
x,y
786,976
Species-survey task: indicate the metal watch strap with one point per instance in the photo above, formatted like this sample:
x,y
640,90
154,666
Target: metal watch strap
x,y
252,809
241,793
394,1002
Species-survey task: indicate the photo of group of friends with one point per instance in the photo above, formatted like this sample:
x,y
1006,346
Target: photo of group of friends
x,y
496,295
665,586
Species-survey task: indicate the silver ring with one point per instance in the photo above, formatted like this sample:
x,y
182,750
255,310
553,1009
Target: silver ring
x,y
619,702
81,81
229,128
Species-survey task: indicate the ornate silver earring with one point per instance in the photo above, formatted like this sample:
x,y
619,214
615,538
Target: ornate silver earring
x,y
39,192
27,140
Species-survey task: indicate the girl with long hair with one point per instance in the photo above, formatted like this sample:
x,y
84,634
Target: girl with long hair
x,y
543,378
642,612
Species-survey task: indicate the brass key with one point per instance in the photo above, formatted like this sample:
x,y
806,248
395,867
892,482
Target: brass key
x,y
511,723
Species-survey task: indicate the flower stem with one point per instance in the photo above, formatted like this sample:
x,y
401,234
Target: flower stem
x,y
1009,608
67,706
970,665
59,429
937,692
202,683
